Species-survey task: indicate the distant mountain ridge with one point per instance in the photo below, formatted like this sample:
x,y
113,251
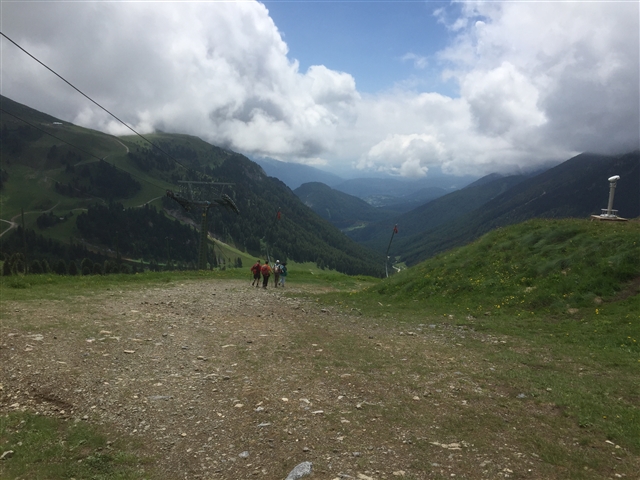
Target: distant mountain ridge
x,y
295,174
437,212
342,210
396,194
399,187
577,187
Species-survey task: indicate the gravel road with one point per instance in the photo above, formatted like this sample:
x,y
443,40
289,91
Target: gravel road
x,y
215,378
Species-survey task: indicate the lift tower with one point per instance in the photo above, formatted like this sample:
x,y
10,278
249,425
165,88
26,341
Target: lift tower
x,y
223,200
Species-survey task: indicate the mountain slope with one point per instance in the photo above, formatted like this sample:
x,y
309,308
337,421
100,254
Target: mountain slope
x,y
41,173
342,210
298,233
437,212
575,188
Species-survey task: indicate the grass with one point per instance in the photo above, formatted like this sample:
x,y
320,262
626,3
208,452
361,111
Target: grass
x,y
563,295
26,191
52,286
541,266
47,448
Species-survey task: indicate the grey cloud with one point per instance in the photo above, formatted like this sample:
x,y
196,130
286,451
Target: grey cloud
x,y
247,111
588,115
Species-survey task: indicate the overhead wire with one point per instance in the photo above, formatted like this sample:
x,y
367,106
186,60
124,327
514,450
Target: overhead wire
x,y
79,148
93,101
50,134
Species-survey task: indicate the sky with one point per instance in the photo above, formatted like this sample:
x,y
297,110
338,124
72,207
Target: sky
x,y
408,88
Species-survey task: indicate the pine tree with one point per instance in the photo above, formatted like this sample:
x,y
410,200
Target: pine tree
x,y
60,268
35,267
73,268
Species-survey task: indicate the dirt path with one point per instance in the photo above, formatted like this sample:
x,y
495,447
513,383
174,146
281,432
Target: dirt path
x,y
13,224
218,379
199,372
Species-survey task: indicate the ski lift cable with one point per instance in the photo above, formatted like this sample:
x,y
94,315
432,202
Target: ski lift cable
x,y
78,148
93,101
50,134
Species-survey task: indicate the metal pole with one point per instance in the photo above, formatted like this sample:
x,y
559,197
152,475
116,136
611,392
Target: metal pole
x,y
24,243
202,254
612,190
386,255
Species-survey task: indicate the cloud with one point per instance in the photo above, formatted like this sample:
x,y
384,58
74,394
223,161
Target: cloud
x,y
216,70
575,64
405,155
501,100
536,82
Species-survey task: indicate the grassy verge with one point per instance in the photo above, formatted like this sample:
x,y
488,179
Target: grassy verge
x,y
44,448
51,286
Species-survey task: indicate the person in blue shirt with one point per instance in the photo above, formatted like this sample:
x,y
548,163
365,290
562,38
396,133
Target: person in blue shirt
x,y
283,273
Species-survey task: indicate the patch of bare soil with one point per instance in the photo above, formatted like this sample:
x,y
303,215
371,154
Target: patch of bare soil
x,y
632,288
221,380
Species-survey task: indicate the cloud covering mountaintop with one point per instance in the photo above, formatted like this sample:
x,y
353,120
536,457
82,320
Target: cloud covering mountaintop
x,y
535,82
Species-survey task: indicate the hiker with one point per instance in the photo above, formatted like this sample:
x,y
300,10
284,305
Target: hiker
x,y
276,273
283,273
255,269
266,273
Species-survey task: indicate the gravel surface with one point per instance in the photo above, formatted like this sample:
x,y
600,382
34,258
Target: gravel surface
x,y
221,380
212,377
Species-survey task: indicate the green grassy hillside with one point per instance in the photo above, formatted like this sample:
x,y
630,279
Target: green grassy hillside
x,y
557,306
537,266
576,188
61,170
37,153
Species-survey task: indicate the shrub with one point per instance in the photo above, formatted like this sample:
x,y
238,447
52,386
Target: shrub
x,y
60,268
73,268
35,267
86,266
46,268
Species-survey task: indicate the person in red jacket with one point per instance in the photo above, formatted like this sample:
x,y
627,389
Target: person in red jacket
x,y
266,273
255,269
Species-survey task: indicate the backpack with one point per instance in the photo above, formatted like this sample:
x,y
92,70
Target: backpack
x,y
265,270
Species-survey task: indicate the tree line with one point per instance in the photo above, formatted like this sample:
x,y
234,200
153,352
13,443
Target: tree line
x,y
98,179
